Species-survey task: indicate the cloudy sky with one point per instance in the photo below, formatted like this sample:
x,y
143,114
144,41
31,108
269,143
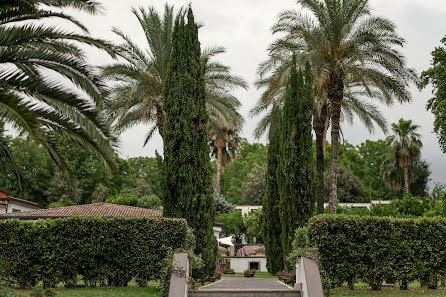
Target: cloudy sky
x,y
243,27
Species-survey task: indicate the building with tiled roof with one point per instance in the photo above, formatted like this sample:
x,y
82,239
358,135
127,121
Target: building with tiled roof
x,y
9,204
102,209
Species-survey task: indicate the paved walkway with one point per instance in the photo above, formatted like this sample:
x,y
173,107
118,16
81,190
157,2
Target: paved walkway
x,y
245,283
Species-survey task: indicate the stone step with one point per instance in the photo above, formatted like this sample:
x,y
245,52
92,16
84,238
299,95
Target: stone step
x,y
244,293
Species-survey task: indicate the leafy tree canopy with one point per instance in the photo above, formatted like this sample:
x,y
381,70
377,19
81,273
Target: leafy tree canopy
x,y
254,189
236,173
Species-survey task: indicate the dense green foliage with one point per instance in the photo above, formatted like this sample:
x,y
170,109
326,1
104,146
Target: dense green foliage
x,y
186,172
272,228
374,249
99,249
349,186
151,201
365,161
221,205
43,183
436,76
233,224
236,173
254,190
296,163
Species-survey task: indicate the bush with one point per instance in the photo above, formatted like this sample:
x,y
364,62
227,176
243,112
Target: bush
x,y
123,199
116,250
375,249
221,205
151,201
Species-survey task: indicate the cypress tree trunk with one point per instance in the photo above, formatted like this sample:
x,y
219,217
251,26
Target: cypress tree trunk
x,y
271,223
296,171
335,95
185,170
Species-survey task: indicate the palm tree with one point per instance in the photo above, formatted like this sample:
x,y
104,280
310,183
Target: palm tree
x,y
352,105
35,59
138,82
405,147
350,51
225,143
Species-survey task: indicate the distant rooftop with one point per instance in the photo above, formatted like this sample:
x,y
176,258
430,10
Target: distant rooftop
x,y
4,197
86,210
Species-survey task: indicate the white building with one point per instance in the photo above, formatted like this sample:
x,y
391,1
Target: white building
x,y
363,205
240,264
245,209
10,204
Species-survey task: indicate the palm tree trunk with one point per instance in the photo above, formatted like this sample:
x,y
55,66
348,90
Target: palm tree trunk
x,y
406,179
335,95
217,182
318,127
320,172
160,119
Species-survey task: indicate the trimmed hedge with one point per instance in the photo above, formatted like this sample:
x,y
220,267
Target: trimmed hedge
x,y
374,249
99,249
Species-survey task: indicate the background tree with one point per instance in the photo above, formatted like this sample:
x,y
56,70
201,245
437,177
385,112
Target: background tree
x,y
236,173
254,226
405,147
419,178
296,164
220,138
186,173
254,189
39,106
138,90
233,224
221,205
350,188
34,164
436,76
332,36
59,187
62,202
272,228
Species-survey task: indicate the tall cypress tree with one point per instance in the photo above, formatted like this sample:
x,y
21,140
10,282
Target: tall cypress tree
x,y
271,223
185,171
296,167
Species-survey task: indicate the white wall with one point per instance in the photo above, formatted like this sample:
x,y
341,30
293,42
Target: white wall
x,y
217,231
248,208
240,264
14,206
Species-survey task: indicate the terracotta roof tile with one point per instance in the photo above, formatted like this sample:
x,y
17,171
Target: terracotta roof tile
x,y
87,210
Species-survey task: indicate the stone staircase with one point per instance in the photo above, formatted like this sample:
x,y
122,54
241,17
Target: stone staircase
x,y
244,293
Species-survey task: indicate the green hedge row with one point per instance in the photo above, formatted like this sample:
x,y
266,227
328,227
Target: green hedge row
x,y
99,249
374,249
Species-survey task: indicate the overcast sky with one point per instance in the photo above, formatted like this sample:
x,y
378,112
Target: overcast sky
x,y
243,27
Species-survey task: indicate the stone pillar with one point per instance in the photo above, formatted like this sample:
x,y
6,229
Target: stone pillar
x,y
179,276
308,278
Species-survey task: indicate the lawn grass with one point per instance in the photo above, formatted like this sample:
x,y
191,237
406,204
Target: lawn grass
x,y
130,291
362,290
366,292
257,275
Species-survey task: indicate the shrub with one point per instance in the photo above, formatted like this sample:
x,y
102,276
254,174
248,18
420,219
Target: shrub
x,y
151,201
375,249
116,250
